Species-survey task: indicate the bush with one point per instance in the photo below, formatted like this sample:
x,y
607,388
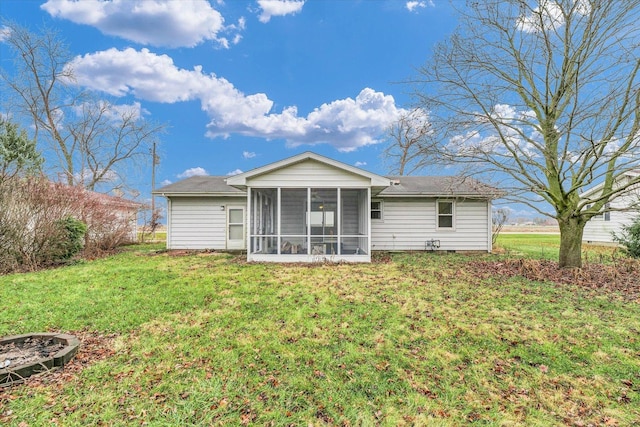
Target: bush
x,y
72,232
630,238
44,223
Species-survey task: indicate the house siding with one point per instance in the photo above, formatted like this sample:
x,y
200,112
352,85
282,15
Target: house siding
x,y
408,223
309,173
199,222
597,230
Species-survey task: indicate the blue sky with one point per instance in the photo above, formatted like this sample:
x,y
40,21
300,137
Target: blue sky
x,y
244,83
240,84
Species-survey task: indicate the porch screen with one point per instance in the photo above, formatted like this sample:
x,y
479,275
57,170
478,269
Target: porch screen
x,y
309,221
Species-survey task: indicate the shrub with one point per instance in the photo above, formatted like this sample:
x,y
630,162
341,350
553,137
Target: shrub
x,y
72,232
630,238
44,223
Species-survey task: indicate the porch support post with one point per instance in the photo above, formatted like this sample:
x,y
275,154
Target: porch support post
x,y
368,219
338,221
308,220
248,221
279,218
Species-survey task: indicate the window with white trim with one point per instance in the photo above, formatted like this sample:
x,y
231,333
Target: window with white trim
x,y
376,209
445,211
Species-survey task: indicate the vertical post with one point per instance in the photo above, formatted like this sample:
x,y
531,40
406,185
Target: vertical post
x,y
154,162
279,214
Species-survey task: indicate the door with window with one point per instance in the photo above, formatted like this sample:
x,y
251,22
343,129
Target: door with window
x,y
236,236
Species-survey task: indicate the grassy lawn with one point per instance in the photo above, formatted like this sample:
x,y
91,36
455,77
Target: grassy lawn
x,y
547,246
205,339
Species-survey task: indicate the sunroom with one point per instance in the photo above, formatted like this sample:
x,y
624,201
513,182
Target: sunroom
x,y
308,208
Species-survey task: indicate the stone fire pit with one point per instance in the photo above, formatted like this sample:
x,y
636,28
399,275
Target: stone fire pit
x,y
24,355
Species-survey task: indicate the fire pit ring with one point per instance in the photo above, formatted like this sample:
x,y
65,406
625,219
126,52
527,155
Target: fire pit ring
x,y
12,370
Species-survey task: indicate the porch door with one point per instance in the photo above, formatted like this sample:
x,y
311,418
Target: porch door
x,y
236,237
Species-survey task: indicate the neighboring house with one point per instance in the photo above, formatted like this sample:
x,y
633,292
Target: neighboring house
x,y
624,209
117,213
312,208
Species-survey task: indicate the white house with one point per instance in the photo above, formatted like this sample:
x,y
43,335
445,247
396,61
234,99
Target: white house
x,y
312,208
619,212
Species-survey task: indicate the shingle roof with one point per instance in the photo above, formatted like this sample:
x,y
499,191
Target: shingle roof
x,y
200,185
437,186
401,186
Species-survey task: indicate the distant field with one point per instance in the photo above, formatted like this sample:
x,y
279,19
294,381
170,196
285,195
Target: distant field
x,y
158,236
547,246
530,229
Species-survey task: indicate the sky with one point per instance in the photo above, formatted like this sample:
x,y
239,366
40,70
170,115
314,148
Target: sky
x,y
240,84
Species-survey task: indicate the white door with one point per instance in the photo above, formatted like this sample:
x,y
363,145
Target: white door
x,y
236,237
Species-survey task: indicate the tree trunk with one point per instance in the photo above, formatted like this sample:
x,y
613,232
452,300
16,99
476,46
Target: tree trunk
x,y
571,230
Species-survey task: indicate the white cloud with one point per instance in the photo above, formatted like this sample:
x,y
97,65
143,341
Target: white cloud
x,y
549,15
248,154
86,175
278,8
193,172
360,164
113,112
234,172
5,32
347,124
165,183
148,22
412,6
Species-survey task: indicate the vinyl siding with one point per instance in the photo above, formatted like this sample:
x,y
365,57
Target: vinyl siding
x,y
407,224
598,230
199,222
308,173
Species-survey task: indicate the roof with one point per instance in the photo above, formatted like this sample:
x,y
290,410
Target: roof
x,y
437,186
115,201
241,179
401,186
200,185
631,174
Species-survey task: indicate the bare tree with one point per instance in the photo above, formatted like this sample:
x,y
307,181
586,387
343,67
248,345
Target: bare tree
x,y
499,218
544,98
408,138
88,140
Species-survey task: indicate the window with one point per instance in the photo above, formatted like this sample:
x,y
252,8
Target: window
x,y
445,214
607,214
376,209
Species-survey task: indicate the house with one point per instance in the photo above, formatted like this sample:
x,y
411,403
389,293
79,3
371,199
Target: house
x,y
618,213
112,216
313,208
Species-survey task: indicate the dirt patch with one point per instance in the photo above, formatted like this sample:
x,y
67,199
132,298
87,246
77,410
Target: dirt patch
x,y
621,278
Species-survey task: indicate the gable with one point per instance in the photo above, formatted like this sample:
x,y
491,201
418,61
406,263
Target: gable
x,y
308,173
308,170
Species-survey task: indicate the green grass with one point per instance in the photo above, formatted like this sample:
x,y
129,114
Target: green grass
x,y
206,340
547,246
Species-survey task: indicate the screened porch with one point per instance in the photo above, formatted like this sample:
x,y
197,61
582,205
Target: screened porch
x,y
309,224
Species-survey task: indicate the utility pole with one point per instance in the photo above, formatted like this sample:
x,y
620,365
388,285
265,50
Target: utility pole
x,y
154,162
